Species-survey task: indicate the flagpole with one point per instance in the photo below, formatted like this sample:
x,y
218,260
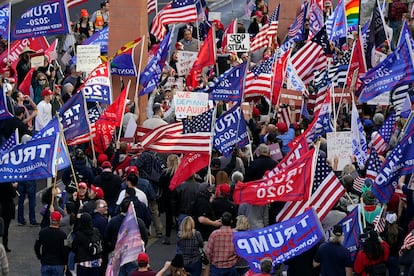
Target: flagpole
x,y
123,108
213,123
314,164
9,33
61,137
383,23
139,68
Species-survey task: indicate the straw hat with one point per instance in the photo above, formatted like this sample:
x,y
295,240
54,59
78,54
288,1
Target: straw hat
x,y
27,50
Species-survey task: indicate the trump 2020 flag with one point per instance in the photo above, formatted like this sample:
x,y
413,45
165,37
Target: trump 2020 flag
x,y
351,227
190,164
97,86
276,241
229,85
123,63
47,19
99,38
230,129
4,112
359,141
336,23
399,162
4,20
129,243
152,72
34,160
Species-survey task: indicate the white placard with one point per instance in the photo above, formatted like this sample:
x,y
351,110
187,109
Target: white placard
x,y
37,61
190,103
87,57
238,42
214,16
339,145
381,99
186,60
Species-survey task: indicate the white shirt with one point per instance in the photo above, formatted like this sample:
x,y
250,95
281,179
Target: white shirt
x,y
44,115
138,193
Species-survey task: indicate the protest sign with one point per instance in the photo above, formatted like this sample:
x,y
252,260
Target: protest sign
x,y
239,42
214,16
37,60
342,94
281,241
87,57
275,151
339,147
185,61
247,110
190,103
287,96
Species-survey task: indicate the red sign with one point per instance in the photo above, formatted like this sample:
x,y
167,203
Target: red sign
x,y
287,96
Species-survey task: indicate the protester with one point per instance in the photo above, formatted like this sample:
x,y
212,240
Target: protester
x,y
100,18
44,110
4,262
189,243
7,209
190,43
23,66
144,268
84,26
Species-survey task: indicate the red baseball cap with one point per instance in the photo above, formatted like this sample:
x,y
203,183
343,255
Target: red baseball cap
x,y
47,92
282,127
132,170
143,258
55,216
106,164
98,191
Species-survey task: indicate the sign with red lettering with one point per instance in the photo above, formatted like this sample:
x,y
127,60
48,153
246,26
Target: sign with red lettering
x,y
190,103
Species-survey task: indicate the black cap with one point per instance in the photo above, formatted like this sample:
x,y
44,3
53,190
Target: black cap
x,y
337,230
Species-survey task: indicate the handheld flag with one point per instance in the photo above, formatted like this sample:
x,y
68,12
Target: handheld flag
x,y
190,164
99,38
123,63
97,86
352,14
4,20
381,139
336,23
359,142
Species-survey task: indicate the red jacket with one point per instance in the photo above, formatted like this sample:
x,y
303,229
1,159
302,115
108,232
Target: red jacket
x,y
362,261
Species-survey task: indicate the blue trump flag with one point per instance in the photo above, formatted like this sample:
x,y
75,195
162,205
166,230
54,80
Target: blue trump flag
x,y
229,85
351,226
336,23
47,19
49,130
34,160
4,112
230,129
99,38
152,72
281,241
4,20
396,70
399,162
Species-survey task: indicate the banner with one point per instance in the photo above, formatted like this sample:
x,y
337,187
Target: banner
x,y
339,147
4,20
281,241
97,86
87,57
230,129
46,19
229,85
238,42
189,165
123,63
291,183
351,226
99,38
190,103
185,61
34,160
287,96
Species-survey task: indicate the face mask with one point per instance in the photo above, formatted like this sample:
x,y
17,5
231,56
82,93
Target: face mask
x,y
42,81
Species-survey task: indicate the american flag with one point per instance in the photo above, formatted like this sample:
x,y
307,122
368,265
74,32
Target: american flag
x,y
93,114
374,164
258,80
337,74
381,138
265,36
358,184
296,29
171,138
177,11
72,3
231,29
326,191
322,83
308,59
379,221
322,123
408,242
11,142
284,115
151,6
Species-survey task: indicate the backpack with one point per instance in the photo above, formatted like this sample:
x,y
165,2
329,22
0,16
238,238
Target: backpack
x,y
95,243
150,166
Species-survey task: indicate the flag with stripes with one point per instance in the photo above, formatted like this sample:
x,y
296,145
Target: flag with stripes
x,y
231,29
336,23
315,20
151,6
265,36
358,183
326,191
337,74
72,3
258,80
171,138
381,138
93,114
404,34
322,122
408,242
374,164
322,83
296,29
11,142
379,221
308,59
359,141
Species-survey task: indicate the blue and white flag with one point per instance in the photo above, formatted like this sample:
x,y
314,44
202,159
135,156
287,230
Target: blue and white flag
x,y
4,111
11,142
4,20
351,227
99,38
359,141
230,129
229,85
152,72
322,123
47,19
281,241
294,82
34,160
399,162
404,34
396,70
336,23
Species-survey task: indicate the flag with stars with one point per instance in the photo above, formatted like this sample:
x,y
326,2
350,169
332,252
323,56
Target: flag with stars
x,y
11,142
4,19
259,79
97,86
326,191
93,113
374,164
381,138
296,29
265,36
379,221
322,122
200,123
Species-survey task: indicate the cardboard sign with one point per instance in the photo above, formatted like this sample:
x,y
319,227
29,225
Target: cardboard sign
x,y
275,152
339,146
381,99
247,111
287,95
238,42
87,57
37,60
186,60
190,103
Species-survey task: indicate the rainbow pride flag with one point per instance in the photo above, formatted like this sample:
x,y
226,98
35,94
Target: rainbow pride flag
x,y
352,14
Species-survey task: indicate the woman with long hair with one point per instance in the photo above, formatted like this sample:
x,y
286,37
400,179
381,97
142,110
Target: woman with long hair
x,y
394,236
222,178
189,243
40,82
165,201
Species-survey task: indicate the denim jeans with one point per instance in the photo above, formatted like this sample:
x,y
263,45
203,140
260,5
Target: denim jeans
x,y
26,188
52,270
127,268
194,268
215,271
